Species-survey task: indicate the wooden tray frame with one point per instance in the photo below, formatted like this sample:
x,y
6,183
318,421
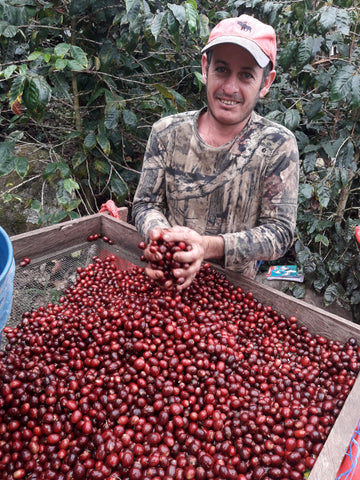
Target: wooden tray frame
x,y
49,240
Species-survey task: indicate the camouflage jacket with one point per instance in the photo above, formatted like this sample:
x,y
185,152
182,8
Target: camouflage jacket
x,y
245,190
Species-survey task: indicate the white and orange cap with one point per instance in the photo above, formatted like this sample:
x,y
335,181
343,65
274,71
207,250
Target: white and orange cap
x,y
245,31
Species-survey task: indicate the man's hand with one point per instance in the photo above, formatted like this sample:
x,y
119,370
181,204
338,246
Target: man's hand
x,y
191,258
153,257
198,248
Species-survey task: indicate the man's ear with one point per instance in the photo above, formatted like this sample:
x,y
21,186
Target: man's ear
x,y
267,83
204,66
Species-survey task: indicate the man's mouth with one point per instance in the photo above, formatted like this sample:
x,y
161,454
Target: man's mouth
x,y
228,102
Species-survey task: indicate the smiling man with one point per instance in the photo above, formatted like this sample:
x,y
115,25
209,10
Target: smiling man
x,y
223,179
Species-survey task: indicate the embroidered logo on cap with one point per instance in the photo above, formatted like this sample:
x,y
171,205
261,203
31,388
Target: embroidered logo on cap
x,y
244,26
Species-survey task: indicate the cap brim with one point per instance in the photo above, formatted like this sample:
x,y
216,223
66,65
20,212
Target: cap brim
x,y
261,59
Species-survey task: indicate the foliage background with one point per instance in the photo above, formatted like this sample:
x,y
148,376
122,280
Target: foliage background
x,y
84,80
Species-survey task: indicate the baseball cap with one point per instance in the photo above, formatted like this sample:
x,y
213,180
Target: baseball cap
x,y
256,37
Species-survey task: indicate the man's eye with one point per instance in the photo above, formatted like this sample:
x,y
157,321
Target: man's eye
x,y
221,69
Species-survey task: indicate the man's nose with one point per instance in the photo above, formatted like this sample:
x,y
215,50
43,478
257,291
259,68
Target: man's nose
x,y
231,84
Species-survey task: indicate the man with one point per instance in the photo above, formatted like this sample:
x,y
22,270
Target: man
x,y
223,179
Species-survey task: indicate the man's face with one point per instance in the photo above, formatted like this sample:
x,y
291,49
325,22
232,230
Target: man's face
x,y
234,84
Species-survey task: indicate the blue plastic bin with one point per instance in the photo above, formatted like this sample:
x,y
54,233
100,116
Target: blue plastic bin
x,y
7,273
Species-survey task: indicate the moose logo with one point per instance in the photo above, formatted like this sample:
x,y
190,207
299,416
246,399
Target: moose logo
x,y
244,26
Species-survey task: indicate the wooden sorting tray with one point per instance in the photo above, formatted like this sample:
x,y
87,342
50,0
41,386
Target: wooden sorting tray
x,y
49,240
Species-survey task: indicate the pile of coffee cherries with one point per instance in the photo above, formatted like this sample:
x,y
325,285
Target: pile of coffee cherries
x,y
123,379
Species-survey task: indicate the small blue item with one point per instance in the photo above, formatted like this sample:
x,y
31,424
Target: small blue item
x,y
7,273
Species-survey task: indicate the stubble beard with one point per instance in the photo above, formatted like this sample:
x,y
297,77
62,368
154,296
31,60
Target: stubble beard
x,y
244,117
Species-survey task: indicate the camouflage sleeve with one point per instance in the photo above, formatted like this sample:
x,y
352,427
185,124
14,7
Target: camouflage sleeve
x,y
149,205
273,235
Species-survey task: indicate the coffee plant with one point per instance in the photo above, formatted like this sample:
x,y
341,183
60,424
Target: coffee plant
x,y
84,81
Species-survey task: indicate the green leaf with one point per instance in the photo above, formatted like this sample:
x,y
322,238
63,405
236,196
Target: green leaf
x,y
134,17
102,166
62,49
35,55
157,23
300,10
119,189
327,19
70,185
74,203
204,30
75,66
329,148
7,163
334,266
22,166
165,92
323,193
343,21
37,93
79,55
62,195
173,27
8,71
73,215
341,84
46,56
61,64
179,13
17,89
306,190
333,292
191,15
287,54
112,115
345,156
355,86
129,5
200,80
78,159
322,239
6,148
64,169
7,31
313,108
103,141
355,297
304,52
309,162
129,118
36,205
90,141
320,282
49,170
299,291
292,119
57,217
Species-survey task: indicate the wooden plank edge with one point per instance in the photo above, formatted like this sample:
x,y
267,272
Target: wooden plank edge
x,y
316,319
50,239
335,447
122,233
47,240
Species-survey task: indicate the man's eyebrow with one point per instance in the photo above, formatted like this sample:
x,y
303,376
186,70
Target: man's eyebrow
x,y
221,61
226,64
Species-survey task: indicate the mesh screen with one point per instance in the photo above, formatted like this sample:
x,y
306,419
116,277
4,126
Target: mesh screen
x,y
45,279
